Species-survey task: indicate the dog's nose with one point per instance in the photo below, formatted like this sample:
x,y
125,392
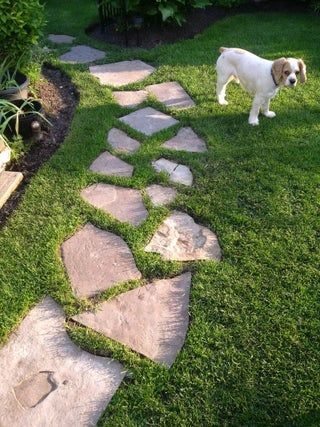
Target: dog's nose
x,y
292,81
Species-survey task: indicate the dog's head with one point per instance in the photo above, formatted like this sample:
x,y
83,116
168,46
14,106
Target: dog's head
x,y
286,70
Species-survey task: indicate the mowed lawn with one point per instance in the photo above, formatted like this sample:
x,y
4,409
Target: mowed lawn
x,y
252,352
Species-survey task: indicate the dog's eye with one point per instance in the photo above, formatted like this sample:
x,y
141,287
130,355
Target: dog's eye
x,y
287,73
297,72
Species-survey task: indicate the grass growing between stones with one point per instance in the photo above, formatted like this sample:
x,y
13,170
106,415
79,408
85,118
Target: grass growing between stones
x,y
252,352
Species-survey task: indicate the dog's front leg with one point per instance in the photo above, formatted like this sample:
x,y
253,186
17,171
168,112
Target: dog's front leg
x,y
265,109
254,113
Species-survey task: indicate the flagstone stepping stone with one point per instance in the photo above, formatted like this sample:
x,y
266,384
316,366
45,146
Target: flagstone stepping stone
x,y
151,320
130,99
61,38
125,204
148,121
186,140
97,260
122,73
121,142
180,174
82,55
46,380
9,181
179,238
171,94
160,195
107,164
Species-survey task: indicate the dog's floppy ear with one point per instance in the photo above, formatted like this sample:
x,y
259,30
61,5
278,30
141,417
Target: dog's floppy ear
x,y
303,71
277,69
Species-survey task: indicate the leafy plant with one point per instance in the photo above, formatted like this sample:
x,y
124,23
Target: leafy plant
x,y
8,72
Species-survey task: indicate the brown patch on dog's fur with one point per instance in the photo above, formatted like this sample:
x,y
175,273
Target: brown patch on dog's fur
x,y
279,66
302,69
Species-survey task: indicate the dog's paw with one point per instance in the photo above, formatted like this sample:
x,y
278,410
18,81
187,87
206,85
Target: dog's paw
x,y
254,122
223,102
270,114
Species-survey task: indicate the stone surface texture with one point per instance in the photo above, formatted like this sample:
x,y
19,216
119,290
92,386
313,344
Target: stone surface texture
x,y
151,319
130,99
107,164
171,94
61,38
148,121
96,260
82,55
179,238
46,380
9,181
186,140
122,73
125,204
121,142
179,174
160,195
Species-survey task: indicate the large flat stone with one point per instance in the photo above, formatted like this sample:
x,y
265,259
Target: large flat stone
x,y
179,174
186,140
97,260
82,55
148,121
125,204
179,238
121,73
107,164
61,38
152,319
46,380
160,195
121,142
130,99
171,94
9,181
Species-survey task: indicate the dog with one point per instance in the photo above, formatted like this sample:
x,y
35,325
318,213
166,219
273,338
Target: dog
x,y
258,76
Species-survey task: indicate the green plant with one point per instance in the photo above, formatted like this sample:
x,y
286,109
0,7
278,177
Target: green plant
x,y
8,72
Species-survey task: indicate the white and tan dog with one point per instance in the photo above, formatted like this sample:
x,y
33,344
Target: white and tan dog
x,y
258,76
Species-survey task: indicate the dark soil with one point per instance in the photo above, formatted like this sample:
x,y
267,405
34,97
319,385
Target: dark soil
x,y
59,99
196,21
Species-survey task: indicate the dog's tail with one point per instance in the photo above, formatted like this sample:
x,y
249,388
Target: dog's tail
x,y
222,49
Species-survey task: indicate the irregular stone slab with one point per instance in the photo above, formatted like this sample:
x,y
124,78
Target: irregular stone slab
x,y
121,73
107,164
186,140
82,55
130,99
152,319
148,121
125,204
171,94
9,181
61,38
180,174
121,142
46,380
160,195
179,238
97,260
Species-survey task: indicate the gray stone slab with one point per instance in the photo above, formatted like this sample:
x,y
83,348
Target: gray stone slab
x,y
121,142
97,260
171,94
121,73
148,121
107,164
61,38
82,55
179,174
152,319
125,204
160,195
46,380
179,238
130,99
186,140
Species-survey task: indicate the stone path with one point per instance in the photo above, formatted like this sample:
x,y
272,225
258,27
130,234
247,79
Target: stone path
x,y
107,164
186,140
121,142
160,195
171,94
61,38
82,55
130,99
179,174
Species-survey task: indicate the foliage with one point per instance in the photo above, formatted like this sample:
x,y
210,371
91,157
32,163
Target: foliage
x,y
8,71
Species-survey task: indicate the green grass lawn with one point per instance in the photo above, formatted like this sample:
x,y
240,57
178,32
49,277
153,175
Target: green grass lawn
x,y
252,352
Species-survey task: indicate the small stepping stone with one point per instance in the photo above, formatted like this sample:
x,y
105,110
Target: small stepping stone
x,y
125,204
186,140
61,38
47,380
151,320
121,142
148,121
5,155
107,164
130,99
82,55
121,73
9,181
160,195
97,260
179,238
179,174
171,94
